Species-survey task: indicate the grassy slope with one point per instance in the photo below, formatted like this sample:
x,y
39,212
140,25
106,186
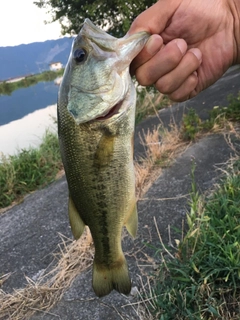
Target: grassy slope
x,y
202,281
29,170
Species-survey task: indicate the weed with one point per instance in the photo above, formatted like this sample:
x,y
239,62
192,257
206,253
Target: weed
x,y
191,125
203,281
74,258
29,170
218,118
232,112
161,145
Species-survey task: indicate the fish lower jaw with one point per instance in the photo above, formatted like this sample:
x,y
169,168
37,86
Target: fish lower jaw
x,y
113,111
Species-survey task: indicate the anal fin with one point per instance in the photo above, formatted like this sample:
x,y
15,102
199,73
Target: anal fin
x,y
77,225
132,222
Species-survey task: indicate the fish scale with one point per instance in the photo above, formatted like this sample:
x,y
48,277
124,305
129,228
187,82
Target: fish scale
x,y
96,144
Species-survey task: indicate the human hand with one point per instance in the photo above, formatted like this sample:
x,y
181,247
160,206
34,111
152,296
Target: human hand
x,y
192,44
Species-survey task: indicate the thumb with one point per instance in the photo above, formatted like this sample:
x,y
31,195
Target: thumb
x,y
155,19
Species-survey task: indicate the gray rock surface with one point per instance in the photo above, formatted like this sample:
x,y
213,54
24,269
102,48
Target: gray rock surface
x,y
29,232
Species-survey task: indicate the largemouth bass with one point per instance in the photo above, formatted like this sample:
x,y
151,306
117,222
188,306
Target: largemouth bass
x,y
96,112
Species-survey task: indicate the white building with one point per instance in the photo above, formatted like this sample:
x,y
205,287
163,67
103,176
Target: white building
x,y
58,81
55,66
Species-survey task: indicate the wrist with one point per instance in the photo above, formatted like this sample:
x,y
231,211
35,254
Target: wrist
x,y
235,9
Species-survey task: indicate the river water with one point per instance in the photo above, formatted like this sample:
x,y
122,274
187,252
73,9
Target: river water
x,y
25,116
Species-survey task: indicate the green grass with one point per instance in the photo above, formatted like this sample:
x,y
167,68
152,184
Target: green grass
x,y
203,280
7,88
192,125
29,170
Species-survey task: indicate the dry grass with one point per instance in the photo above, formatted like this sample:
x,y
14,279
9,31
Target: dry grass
x,y
74,258
161,146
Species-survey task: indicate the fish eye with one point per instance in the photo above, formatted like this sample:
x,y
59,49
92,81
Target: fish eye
x,y
79,55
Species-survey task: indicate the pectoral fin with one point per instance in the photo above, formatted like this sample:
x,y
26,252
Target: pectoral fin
x,y
132,222
104,151
77,225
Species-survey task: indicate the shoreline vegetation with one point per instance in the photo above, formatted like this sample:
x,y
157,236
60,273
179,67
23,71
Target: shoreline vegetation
x,y
29,170
7,88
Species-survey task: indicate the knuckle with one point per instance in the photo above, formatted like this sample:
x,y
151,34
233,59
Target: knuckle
x,y
186,91
143,78
172,56
192,61
165,86
193,94
192,81
178,96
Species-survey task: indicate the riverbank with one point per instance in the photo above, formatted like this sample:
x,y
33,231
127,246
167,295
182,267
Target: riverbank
x,y
7,88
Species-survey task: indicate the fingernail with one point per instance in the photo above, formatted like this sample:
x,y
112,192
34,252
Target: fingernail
x,y
154,44
197,53
181,45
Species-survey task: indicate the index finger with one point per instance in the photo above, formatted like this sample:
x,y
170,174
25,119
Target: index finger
x,y
153,45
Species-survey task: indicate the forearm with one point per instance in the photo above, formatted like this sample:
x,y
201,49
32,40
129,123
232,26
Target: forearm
x,y
235,9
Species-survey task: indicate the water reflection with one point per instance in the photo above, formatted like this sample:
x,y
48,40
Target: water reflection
x,y
27,131
26,100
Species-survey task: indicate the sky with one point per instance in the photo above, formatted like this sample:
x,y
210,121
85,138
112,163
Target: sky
x,y
21,21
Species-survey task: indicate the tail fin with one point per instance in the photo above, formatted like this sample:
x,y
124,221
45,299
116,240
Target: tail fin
x,y
105,279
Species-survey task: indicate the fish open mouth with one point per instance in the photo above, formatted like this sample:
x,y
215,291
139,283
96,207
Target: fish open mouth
x,y
114,110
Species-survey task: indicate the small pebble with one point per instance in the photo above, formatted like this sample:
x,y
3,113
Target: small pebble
x,y
134,291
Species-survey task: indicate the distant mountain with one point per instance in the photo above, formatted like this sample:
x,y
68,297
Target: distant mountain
x,y
33,58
